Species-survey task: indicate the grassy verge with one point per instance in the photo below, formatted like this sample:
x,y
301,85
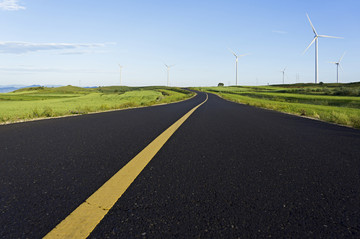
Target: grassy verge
x,y
40,102
335,107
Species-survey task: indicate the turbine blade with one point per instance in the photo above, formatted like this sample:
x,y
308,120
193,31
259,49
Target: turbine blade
x,y
244,55
312,26
341,67
233,52
310,44
325,36
332,62
342,57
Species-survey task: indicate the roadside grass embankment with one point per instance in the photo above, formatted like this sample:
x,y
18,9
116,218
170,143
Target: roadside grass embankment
x,y
335,103
41,102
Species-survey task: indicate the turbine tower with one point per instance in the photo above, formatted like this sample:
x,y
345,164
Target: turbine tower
x,y
316,48
337,67
283,71
168,73
236,64
120,72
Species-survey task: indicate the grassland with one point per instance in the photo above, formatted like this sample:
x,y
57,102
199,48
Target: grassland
x,y
336,103
41,102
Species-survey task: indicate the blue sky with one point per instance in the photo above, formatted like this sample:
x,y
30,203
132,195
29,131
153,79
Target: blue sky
x,y
82,42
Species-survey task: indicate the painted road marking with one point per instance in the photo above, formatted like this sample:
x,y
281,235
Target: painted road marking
x,y
83,220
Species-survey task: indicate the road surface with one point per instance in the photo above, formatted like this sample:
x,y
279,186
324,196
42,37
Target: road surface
x,y
229,171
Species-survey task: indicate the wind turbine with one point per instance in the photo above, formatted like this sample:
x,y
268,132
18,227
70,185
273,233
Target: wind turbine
x,y
120,72
337,67
236,64
316,48
168,72
283,71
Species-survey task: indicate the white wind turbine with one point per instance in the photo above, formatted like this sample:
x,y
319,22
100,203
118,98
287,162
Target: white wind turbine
x,y
316,48
337,67
120,72
283,72
168,72
236,64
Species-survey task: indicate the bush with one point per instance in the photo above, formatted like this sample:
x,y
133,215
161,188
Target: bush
x,y
48,112
164,93
35,113
346,91
104,107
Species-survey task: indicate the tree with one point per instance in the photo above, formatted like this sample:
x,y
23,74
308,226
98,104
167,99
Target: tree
x,y
221,84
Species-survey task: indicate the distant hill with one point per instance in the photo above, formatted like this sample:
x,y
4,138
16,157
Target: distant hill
x,y
11,88
7,89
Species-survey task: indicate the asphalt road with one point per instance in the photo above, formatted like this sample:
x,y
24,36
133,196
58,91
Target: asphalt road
x,y
229,171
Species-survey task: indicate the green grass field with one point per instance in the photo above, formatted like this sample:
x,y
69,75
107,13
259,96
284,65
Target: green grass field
x,y
40,102
336,103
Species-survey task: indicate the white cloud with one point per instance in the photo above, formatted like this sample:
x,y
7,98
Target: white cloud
x,y
29,69
11,5
26,47
279,32
32,69
74,53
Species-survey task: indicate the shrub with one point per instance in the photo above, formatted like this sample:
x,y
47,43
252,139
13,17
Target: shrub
x,y
159,98
327,91
48,112
347,91
355,121
104,107
164,93
35,113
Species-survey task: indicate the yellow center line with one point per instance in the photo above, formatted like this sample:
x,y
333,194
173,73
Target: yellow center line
x,y
82,221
